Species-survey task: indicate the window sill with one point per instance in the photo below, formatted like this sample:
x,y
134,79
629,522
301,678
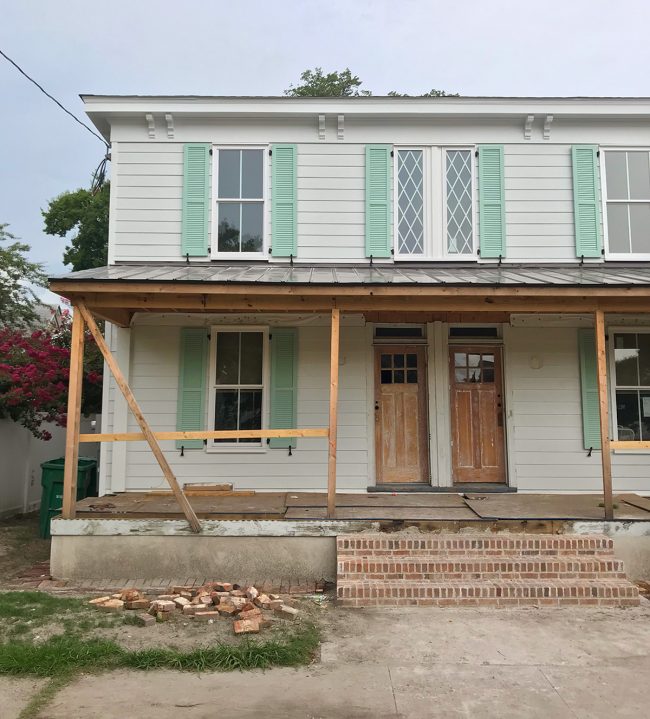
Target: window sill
x,y
231,449
259,256
631,451
628,257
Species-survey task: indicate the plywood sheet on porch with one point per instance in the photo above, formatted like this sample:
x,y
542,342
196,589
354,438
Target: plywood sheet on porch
x,y
315,499
550,506
427,514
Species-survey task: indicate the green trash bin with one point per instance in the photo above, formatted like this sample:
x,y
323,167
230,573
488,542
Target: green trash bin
x,y
52,483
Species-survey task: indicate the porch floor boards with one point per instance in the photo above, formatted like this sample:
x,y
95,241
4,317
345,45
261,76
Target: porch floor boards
x,y
452,507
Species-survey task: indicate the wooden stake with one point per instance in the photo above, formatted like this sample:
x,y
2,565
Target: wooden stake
x,y
334,398
70,472
144,425
603,399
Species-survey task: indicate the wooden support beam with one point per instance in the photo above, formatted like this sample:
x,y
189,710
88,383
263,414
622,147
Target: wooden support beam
x,y
206,434
627,444
334,398
144,425
70,471
603,399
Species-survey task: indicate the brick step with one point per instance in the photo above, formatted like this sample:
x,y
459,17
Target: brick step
x,y
439,567
488,545
494,593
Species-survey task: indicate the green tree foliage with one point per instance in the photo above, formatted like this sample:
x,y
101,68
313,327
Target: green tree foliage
x,y
333,84
86,214
431,93
17,276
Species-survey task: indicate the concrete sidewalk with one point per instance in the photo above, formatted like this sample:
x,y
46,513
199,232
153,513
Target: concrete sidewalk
x,y
446,663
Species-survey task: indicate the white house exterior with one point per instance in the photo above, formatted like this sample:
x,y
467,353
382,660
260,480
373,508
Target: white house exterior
x,y
291,197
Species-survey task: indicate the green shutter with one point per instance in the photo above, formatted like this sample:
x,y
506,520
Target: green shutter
x,y
284,209
589,389
284,383
190,413
196,200
378,200
586,200
492,204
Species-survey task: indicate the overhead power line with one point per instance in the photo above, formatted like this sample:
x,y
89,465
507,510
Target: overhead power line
x,y
47,94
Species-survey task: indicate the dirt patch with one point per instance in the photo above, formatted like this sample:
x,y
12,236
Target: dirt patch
x,y
20,546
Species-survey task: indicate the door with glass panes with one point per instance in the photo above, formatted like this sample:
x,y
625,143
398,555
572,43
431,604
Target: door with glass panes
x,y
401,434
477,435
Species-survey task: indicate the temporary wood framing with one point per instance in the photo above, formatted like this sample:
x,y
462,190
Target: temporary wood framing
x,y
137,413
70,471
334,398
206,434
603,399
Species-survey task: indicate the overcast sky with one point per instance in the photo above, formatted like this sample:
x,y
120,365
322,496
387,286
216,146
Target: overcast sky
x,y
212,47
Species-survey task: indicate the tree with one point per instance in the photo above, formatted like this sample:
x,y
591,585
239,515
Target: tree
x,y
342,84
87,213
34,371
17,276
334,84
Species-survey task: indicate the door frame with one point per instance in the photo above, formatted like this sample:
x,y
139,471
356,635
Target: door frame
x,y
423,406
498,348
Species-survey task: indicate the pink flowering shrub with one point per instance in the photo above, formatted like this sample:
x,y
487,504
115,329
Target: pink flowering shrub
x,y
34,371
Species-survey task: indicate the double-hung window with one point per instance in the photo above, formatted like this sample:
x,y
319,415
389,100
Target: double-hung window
x,y
240,202
237,387
627,197
459,220
631,354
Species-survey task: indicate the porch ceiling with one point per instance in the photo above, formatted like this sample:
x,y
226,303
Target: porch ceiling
x,y
117,291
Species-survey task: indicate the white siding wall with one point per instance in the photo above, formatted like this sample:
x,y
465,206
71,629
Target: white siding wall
x,y
546,424
154,379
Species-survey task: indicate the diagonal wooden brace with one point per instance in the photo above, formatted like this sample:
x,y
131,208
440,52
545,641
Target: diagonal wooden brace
x,y
137,413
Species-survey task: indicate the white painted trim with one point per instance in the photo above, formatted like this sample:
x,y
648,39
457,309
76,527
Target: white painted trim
x,y
370,404
248,448
112,202
443,404
214,204
104,479
432,425
508,412
119,463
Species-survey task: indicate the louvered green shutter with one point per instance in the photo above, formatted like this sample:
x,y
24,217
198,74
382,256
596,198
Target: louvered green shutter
x,y
492,205
284,209
378,200
589,389
284,383
196,200
586,200
190,413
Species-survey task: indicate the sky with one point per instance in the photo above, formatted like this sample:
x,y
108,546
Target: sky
x,y
260,47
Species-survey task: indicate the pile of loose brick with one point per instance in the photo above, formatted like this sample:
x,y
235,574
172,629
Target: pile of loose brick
x,y
249,608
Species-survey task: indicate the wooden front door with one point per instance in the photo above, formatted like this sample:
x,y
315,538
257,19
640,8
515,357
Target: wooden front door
x,y
401,432
477,437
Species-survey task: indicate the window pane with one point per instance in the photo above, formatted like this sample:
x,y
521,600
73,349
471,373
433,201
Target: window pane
x,y
386,376
627,415
644,402
386,361
459,202
412,376
488,375
473,360
229,173
616,175
410,227
639,175
250,411
640,227
460,359
228,240
225,410
251,358
227,358
461,375
617,228
251,183
398,360
252,220
643,341
626,361
411,360
398,376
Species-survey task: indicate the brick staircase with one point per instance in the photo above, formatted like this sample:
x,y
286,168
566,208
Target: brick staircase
x,y
481,570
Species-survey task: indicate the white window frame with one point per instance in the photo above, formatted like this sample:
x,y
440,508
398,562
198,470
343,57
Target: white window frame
x,y
230,447
617,256
264,253
613,422
427,248
472,256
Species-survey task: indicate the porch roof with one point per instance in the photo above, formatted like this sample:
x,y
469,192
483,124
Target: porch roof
x,y
404,275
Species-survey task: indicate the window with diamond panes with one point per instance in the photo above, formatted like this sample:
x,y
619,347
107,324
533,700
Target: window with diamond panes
x,y
458,175
410,202
399,368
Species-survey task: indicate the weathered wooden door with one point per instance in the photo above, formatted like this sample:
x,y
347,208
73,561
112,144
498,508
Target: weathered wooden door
x,y
401,432
477,436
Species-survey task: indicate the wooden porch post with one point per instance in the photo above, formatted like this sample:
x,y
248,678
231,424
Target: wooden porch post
x,y
603,399
144,425
334,398
74,417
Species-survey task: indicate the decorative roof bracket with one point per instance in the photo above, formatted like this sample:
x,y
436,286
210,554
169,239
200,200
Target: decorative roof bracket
x,y
547,127
169,119
528,127
151,126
